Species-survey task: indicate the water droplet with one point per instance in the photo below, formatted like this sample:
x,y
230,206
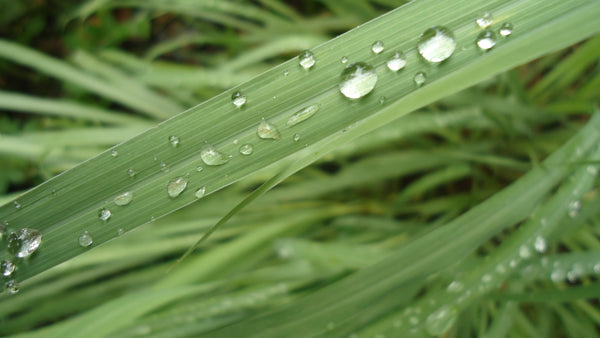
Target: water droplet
x,y
238,99
303,114
574,208
12,287
486,278
177,186
413,320
267,130
24,242
506,29
501,269
296,137
164,167
212,156
2,230
485,20
455,286
200,192
557,275
17,205
124,198
199,168
85,239
377,47
306,59
524,252
104,214
174,140
436,44
286,72
540,244
486,39
513,263
114,153
441,320
357,80
382,100
246,149
397,62
120,232
344,60
420,79
131,172
7,267
597,268
592,170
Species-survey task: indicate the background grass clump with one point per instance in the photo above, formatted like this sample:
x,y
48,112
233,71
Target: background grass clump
x,y
476,215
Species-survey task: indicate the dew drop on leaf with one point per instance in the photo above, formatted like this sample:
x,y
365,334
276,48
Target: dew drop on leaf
x,y
124,198
357,80
306,59
177,186
211,156
397,62
85,239
574,208
485,20
303,114
200,192
23,242
296,137
247,149
441,320
486,40
7,268
12,287
377,47
267,130
238,99
344,60
131,172
436,44
114,153
104,214
420,79
174,141
506,29
540,244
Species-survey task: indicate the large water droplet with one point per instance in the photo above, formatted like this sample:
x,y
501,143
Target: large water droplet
x,y
485,20
436,44
396,62
574,208
124,198
85,239
200,192
12,287
212,156
174,140
303,114
441,320
306,59
238,99
506,29
7,268
420,79
486,40
104,214
247,149
540,244
267,130
177,186
377,47
23,242
357,80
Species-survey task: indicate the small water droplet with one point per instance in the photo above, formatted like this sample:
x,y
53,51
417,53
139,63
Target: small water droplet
x,y
486,40
420,79
164,167
2,230
377,47
455,286
506,29
23,242
436,44
344,60
12,287
211,156
114,153
174,140
524,252
247,149
574,208
540,244
557,275
485,20
296,137
267,130
286,72
441,320
513,263
597,268
200,192
199,168
177,186
85,239
357,80
238,99
381,99
104,214
501,269
17,205
486,278
120,232
397,62
131,172
306,59
303,114
413,320
124,198
7,267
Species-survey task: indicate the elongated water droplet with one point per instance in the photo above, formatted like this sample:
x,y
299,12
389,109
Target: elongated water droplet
x,y
377,47
12,287
436,44
104,214
177,186
247,149
485,20
306,59
131,172
540,244
124,198
574,208
174,140
212,156
200,192
23,242
396,62
357,80
238,99
296,137
420,79
85,239
506,29
267,130
2,230
7,267
114,153
441,320
486,40
303,114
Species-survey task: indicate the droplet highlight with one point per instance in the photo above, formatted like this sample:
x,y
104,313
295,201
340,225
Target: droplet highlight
x,y
506,29
436,44
211,156
176,186
396,62
485,20
238,99
357,80
303,114
124,198
377,47
306,59
420,79
200,192
131,172
85,239
23,242
267,130
114,153
12,287
104,214
486,40
7,267
247,149
174,141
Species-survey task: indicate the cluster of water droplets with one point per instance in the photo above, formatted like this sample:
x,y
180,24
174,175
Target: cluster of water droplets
x,y
21,244
487,38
